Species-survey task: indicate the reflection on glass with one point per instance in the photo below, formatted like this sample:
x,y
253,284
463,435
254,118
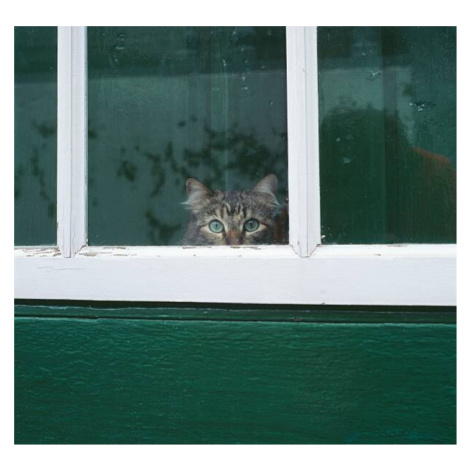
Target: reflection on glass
x,y
35,135
388,134
168,104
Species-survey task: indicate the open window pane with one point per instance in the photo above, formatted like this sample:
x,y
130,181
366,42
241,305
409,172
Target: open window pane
x,y
35,135
171,103
388,134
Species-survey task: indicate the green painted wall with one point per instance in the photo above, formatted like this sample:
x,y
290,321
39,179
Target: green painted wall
x,y
162,374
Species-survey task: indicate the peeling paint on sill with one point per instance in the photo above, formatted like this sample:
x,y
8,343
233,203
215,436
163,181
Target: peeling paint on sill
x,y
40,252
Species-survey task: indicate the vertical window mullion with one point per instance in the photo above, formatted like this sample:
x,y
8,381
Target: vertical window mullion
x,y
302,115
313,140
71,140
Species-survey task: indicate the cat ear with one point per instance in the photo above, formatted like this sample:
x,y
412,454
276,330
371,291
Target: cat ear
x,y
268,186
194,186
197,193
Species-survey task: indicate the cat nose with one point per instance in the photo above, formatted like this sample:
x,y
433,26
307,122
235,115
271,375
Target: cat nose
x,y
233,237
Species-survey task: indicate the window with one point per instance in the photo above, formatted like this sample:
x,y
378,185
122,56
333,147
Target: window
x,y
387,134
169,103
363,158
35,135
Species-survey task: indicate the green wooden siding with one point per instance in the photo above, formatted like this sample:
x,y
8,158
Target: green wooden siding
x,y
91,375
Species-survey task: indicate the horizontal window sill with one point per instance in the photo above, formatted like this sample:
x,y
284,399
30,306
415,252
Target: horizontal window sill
x,y
260,251
333,275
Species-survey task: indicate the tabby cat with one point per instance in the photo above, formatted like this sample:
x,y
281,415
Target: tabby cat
x,y
235,217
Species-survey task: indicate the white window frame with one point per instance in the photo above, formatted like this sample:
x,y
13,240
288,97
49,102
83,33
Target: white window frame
x,y
303,272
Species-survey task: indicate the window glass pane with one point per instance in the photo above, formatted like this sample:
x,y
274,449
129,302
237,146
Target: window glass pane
x,y
35,135
388,134
171,103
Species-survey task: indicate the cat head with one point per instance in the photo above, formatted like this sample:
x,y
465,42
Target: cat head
x,y
232,217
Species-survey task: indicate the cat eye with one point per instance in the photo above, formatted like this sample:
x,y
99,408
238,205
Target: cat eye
x,y
251,225
216,226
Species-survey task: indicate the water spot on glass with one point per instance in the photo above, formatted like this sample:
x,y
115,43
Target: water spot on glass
x,y
215,88
120,42
224,63
271,103
338,139
420,105
346,160
244,88
371,75
243,77
363,53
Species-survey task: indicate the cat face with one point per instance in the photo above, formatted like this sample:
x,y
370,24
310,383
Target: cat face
x,y
232,217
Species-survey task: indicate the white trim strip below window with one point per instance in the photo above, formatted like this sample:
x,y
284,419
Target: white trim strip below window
x,y
361,275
